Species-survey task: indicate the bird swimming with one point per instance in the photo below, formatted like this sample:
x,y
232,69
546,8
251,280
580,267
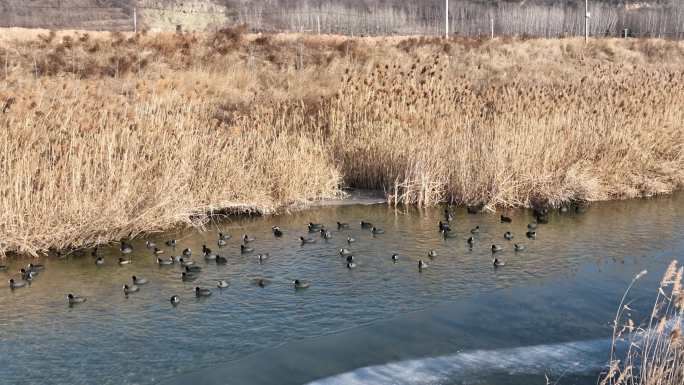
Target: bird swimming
x,y
350,240
171,243
277,231
126,248
376,230
221,259
432,253
99,261
223,237
246,239
165,261
342,225
422,265
497,263
201,292
366,225
175,300
307,240
395,258
158,251
123,261
508,235
186,276
150,244
351,265
496,248
531,234
222,284
505,219
519,247
193,269
475,230
187,252
344,252
244,249
16,285
138,280
74,299
300,284
186,262
130,289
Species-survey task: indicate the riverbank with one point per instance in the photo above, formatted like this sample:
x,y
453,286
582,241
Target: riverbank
x,y
106,135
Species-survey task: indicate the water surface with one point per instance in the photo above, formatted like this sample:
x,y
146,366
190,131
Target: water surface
x,y
555,299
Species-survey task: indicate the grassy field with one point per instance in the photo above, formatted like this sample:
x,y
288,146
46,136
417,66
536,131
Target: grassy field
x,y
103,134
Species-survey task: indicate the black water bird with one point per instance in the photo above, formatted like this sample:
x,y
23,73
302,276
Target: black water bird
x,y
193,269
474,209
307,240
496,248
221,260
376,230
508,235
422,265
126,248
16,284
444,226
395,258
171,243
366,225
342,225
531,234
505,219
175,300
201,292
277,231
74,299
187,252
475,230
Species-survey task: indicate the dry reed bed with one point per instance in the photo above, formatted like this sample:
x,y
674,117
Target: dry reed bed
x,y
655,349
103,135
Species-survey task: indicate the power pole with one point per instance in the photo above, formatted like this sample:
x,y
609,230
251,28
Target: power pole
x,y
491,20
135,19
586,21
446,19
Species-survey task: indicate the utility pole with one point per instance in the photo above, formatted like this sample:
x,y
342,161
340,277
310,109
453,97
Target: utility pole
x,y
491,20
135,19
446,19
586,21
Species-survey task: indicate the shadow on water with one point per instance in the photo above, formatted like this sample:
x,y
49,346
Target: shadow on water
x,y
562,289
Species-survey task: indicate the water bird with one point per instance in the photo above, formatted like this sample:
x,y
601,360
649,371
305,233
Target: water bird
x,y
32,267
366,225
497,263
376,230
261,282
187,252
186,262
158,251
350,240
74,299
496,248
344,252
193,269
246,239
126,248
277,231
314,226
165,261
16,284
505,219
300,284
532,226
221,242
123,261
99,261
263,257
185,276
448,216
208,255
326,234
350,258
223,237
221,260
432,253
130,289
422,265
244,249
531,234
175,300
508,235
138,280
395,258
150,244
307,240
519,247
27,275
171,243
342,225
351,265
471,241
202,292
222,284
475,230
444,226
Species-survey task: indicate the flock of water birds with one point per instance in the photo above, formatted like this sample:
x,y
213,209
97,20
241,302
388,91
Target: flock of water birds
x,y
191,271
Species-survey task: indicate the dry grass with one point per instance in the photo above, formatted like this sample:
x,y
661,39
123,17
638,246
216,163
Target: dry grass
x,y
655,352
104,134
